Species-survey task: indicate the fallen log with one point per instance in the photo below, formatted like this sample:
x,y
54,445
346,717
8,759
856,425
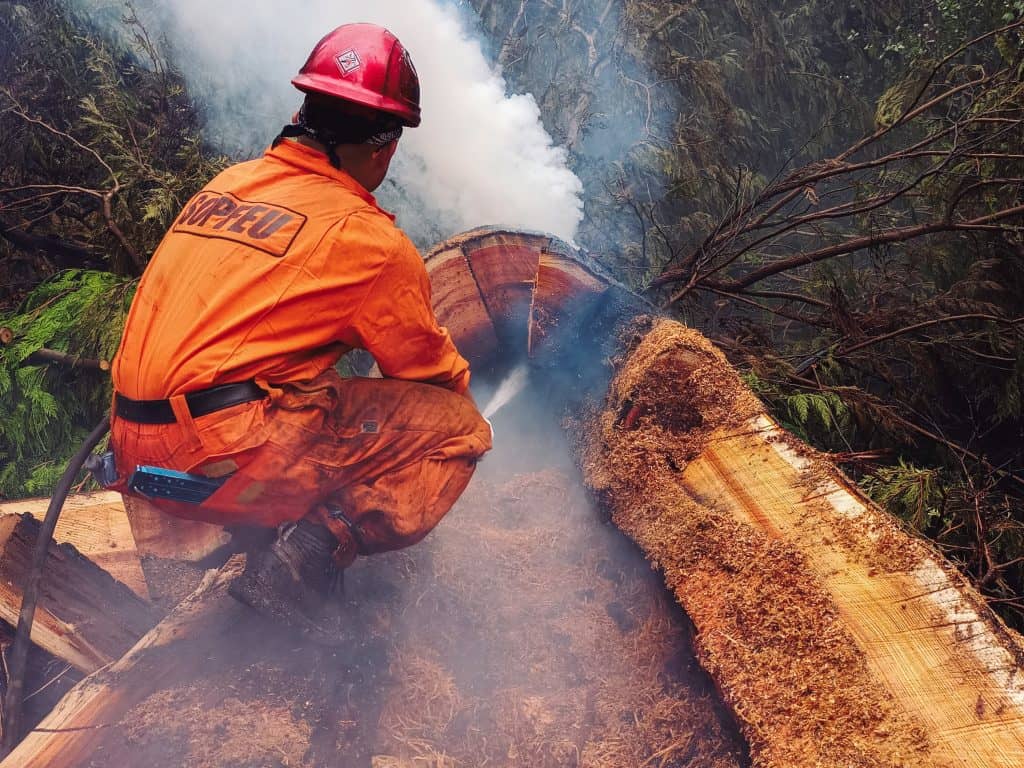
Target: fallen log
x,y
69,734
97,526
836,637
84,616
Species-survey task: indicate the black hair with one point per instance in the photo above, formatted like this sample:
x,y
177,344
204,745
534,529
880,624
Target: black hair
x,y
329,122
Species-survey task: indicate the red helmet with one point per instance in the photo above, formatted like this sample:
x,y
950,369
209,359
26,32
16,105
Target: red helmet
x,y
367,65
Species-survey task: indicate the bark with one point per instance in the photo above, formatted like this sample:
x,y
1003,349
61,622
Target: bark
x,y
84,616
64,254
45,356
97,526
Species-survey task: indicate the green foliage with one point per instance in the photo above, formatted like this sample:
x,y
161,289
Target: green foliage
x,y
1013,10
101,142
915,494
102,149
895,102
819,418
825,410
46,410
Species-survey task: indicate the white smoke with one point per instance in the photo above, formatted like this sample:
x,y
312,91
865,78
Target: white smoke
x,y
480,156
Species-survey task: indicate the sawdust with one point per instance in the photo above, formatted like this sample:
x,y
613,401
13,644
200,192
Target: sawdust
x,y
566,652
261,698
170,581
266,734
523,632
768,633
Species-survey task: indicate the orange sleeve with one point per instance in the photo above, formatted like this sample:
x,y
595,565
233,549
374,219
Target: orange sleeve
x,y
395,321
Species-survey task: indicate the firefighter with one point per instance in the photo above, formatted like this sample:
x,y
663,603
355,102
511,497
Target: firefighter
x,y
271,273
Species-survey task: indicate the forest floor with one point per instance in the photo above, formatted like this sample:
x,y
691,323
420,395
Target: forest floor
x,y
524,631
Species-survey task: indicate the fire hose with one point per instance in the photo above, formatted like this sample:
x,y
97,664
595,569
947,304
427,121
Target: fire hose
x,y
17,662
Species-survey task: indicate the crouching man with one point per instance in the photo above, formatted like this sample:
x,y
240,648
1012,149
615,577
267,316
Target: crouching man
x,y
271,273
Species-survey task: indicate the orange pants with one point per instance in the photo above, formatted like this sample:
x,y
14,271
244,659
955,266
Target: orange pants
x,y
392,455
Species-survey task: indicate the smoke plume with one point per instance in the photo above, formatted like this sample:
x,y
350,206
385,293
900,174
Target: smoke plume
x,y
480,157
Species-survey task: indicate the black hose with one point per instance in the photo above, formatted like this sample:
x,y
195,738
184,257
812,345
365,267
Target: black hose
x,y
12,708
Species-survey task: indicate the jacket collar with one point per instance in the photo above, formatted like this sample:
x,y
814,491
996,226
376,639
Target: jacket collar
x,y
312,161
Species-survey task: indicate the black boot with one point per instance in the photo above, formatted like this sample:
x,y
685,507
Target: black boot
x,y
293,580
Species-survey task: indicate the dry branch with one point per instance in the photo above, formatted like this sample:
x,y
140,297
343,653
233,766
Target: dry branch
x,y
45,356
66,253
939,137
105,197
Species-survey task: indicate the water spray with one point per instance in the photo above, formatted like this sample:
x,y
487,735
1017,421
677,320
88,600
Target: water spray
x,y
513,384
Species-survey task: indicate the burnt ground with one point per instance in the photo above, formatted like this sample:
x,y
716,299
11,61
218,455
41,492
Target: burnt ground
x,y
524,631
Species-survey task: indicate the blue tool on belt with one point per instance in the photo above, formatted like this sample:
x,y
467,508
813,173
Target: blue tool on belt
x,y
159,483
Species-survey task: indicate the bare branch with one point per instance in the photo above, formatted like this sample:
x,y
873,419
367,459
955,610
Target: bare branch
x,y
106,197
47,356
928,324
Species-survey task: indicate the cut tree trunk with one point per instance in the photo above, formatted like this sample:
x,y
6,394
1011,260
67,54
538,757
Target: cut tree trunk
x,y
69,735
96,525
505,295
84,616
835,636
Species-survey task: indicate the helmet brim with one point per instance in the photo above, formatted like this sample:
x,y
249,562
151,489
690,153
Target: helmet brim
x,y
313,83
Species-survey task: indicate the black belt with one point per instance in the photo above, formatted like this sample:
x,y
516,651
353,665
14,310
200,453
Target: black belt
x,y
199,403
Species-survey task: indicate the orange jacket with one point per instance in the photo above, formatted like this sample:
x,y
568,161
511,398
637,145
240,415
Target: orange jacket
x,y
277,268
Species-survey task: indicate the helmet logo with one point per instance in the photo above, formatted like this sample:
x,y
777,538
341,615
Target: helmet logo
x,y
348,61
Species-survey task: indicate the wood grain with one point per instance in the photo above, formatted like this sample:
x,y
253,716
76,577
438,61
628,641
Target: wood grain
x,y
925,632
834,635
84,616
97,526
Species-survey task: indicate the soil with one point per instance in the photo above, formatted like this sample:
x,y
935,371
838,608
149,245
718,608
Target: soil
x,y
524,631
170,581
